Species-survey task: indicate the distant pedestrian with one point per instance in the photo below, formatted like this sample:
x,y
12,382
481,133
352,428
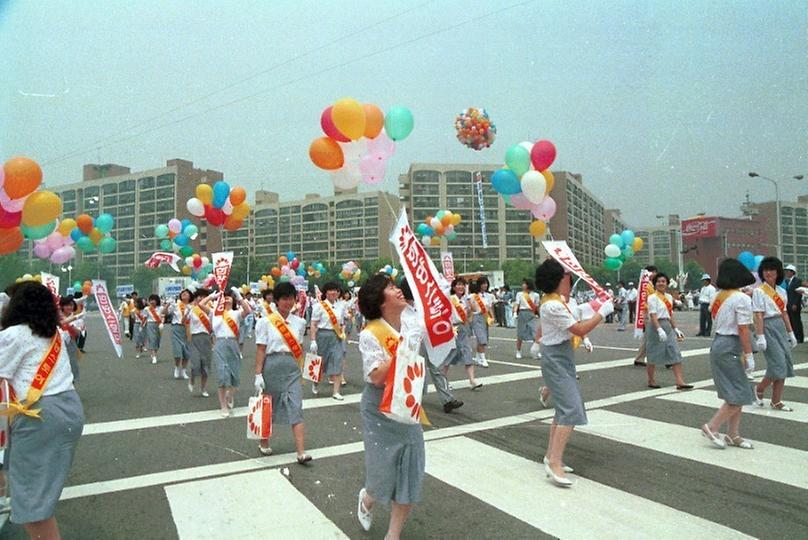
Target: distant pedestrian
x,y
631,299
155,315
794,301
481,303
526,309
706,296
621,306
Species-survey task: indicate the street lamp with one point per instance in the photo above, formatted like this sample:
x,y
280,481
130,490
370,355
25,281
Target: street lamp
x,y
777,206
67,269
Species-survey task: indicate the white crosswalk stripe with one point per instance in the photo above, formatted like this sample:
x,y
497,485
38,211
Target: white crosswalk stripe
x,y
708,398
797,382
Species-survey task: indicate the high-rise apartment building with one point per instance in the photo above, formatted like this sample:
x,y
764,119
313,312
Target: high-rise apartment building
x,y
793,228
660,242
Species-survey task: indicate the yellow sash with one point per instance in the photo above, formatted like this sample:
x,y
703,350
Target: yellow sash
x,y
203,318
333,318
267,307
182,307
529,301
576,341
155,316
461,311
664,300
43,374
484,310
720,298
771,293
227,318
291,341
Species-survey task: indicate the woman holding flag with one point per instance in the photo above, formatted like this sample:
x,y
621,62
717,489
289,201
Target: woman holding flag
x,y
179,313
482,308
662,345
154,326
278,356
328,335
45,430
775,337
226,329
525,307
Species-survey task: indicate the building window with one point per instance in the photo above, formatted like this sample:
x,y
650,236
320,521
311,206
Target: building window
x,y
146,182
426,176
458,177
166,180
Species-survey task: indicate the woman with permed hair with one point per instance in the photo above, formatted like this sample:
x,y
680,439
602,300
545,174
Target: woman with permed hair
x,y
328,336
45,431
559,328
662,344
730,352
775,337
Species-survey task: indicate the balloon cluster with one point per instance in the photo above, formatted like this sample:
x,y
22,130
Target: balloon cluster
x,y
350,273
621,247
527,181
219,205
177,236
289,268
475,129
85,288
358,141
750,260
266,282
315,270
197,267
29,277
93,233
57,247
441,225
389,270
24,211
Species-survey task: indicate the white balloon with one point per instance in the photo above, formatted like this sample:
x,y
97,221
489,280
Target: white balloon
x,y
348,177
533,186
354,150
612,250
527,145
228,207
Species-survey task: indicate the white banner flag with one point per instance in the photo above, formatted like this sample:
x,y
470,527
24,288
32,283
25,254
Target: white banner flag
x,y
52,283
448,265
560,251
109,314
222,263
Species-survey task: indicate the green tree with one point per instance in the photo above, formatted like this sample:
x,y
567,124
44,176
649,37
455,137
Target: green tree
x,y
12,266
143,278
515,270
694,272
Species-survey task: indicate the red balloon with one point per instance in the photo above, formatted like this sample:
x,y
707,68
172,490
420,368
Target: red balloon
x,y
542,155
329,128
215,216
295,263
9,219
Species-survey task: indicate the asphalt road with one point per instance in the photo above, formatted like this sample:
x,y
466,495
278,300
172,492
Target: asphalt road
x,y
157,462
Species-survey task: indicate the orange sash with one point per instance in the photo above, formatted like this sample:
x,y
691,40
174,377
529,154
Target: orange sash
x,y
771,293
664,300
283,329
155,316
43,374
461,311
203,318
181,307
267,307
483,309
529,301
576,340
231,323
333,318
720,298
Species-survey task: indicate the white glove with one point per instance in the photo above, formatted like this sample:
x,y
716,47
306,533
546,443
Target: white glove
x,y
761,343
535,349
606,309
313,347
662,335
750,361
588,345
679,334
259,383
161,327
236,293
792,339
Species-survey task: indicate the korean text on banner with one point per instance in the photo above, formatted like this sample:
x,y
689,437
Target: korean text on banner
x,y
642,303
478,176
561,252
448,264
160,257
222,263
52,283
430,300
109,314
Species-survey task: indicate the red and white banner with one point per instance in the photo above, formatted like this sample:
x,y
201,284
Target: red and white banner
x,y
561,252
259,417
52,283
702,227
430,301
222,263
642,302
448,264
5,396
160,257
109,314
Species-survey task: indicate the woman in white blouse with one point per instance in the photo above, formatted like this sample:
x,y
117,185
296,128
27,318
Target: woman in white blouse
x,y
45,431
775,337
525,307
277,369
662,346
328,336
482,309
226,353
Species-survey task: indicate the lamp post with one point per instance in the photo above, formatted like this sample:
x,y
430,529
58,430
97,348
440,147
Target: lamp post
x,y
777,206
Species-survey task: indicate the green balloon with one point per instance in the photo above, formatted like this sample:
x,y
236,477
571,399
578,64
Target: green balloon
x,y
161,231
186,251
612,263
398,123
107,245
38,232
77,285
85,244
517,158
628,251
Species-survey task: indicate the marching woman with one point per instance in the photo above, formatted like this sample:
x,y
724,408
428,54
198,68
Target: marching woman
x,y
525,307
45,430
461,320
200,345
349,304
730,352
482,308
559,328
662,346
139,332
179,313
155,315
71,325
267,305
774,333
328,335
226,329
394,452
279,352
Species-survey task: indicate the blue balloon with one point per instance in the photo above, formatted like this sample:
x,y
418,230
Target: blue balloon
x,y
628,251
747,259
758,260
181,240
628,237
617,240
76,233
185,222
290,255
221,191
301,271
505,182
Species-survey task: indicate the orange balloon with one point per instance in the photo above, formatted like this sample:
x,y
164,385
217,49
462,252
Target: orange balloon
x,y
10,240
85,289
237,196
446,220
241,211
231,224
282,260
84,223
537,228
326,153
96,235
276,271
23,176
549,179
374,120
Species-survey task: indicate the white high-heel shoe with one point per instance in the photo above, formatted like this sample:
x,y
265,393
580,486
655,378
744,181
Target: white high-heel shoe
x,y
560,481
563,466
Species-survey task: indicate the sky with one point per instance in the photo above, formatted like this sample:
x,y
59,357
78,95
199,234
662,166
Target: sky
x,y
663,107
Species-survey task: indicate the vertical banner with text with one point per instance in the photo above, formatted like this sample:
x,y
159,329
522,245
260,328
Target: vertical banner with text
x,y
478,176
448,264
52,283
109,314
222,263
643,290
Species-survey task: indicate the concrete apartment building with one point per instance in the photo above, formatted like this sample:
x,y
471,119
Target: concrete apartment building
x,y
660,242
793,228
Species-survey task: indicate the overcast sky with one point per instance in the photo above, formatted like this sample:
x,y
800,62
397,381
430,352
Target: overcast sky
x,y
662,107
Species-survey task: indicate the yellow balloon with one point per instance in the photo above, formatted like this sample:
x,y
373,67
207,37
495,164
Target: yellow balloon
x,y
96,236
66,226
549,179
538,228
456,219
40,208
348,116
38,278
637,245
186,270
241,211
204,193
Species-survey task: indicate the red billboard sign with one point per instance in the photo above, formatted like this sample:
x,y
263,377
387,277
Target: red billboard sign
x,y
702,227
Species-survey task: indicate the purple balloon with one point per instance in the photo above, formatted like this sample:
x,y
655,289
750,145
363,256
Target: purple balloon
x,y
55,240
41,249
545,210
62,255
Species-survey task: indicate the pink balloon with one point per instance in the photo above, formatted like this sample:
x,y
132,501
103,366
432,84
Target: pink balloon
x,y
175,225
295,264
329,128
63,254
372,179
545,210
382,144
520,202
55,240
41,249
542,155
373,164
11,205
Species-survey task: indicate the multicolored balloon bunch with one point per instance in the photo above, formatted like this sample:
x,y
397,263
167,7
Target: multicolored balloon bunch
x,y
527,181
219,205
24,211
93,233
177,235
442,225
86,287
197,267
391,271
621,247
475,129
359,139
350,273
57,247
289,268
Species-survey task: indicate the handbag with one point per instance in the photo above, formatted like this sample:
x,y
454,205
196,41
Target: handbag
x,y
404,387
259,417
312,367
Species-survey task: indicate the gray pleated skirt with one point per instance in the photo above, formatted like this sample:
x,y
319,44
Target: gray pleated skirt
x,y
778,349
462,352
73,353
395,457
479,326
179,341
558,371
282,384
138,334
39,456
658,352
526,325
726,363
227,361
152,336
331,349
201,352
